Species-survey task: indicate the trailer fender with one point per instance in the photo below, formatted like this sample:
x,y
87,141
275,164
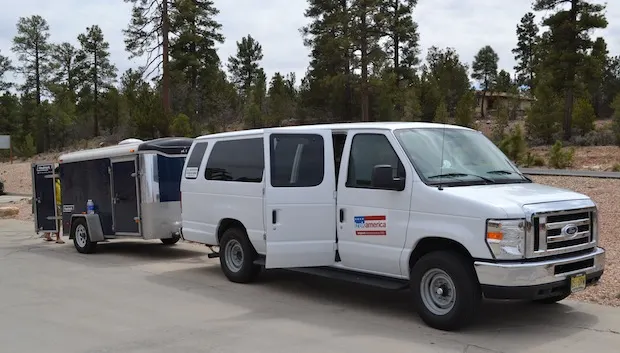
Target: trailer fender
x,y
95,231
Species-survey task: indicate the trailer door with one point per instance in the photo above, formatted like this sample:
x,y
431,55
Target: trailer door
x,y
125,213
44,197
300,204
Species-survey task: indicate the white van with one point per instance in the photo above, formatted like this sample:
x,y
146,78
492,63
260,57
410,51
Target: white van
x,y
435,208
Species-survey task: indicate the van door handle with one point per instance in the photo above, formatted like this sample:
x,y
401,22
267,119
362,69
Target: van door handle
x,y
273,217
341,215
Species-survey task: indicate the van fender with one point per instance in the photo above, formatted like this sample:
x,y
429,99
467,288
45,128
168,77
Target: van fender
x,y
93,222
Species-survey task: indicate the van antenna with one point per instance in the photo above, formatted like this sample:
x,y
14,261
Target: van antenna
x,y
443,142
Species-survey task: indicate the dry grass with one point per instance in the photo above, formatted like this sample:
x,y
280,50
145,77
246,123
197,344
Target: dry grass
x,y
604,192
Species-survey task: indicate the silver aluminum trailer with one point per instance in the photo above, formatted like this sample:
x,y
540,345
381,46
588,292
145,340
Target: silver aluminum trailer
x,y
135,188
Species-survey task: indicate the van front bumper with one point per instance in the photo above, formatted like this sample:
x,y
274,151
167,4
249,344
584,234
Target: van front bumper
x,y
539,279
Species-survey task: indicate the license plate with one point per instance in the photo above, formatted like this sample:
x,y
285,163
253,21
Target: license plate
x,y
577,283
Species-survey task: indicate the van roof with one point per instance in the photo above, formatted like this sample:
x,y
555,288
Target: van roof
x,y
385,125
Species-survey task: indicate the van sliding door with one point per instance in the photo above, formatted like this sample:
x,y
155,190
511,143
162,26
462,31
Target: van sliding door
x,y
300,204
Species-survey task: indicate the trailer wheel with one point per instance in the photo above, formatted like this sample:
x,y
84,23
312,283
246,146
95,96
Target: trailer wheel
x,y
171,241
81,238
445,289
237,256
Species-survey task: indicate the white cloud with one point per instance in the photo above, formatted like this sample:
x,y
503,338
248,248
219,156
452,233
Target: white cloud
x,y
466,25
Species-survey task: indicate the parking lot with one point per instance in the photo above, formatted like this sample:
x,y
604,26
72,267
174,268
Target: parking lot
x,y
145,297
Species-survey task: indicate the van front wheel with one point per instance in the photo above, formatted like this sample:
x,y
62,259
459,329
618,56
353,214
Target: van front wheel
x,y
445,290
237,256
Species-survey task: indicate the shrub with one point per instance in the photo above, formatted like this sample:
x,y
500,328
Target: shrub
x,y
583,116
532,160
601,137
616,167
514,144
560,158
1,187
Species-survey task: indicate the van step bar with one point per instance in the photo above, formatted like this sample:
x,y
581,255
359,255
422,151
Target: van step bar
x,y
355,277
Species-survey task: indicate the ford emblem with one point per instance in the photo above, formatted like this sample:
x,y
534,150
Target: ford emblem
x,y
570,229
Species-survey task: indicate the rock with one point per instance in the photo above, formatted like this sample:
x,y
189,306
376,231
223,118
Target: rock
x,y
9,211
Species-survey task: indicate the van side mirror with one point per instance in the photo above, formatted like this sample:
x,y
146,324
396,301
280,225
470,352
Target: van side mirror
x,y
382,178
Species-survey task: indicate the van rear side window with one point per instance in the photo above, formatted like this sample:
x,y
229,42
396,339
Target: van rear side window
x,y
297,160
237,160
194,160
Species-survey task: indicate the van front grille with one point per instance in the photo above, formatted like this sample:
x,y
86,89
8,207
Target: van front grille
x,y
563,232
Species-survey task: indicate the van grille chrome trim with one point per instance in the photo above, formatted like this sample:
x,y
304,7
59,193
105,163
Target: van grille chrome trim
x,y
562,232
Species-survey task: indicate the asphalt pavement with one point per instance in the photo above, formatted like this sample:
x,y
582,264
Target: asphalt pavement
x,y
142,296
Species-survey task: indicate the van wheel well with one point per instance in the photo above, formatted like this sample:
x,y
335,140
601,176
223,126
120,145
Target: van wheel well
x,y
226,224
431,244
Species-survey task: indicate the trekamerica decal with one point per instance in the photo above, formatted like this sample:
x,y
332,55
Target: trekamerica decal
x,y
370,225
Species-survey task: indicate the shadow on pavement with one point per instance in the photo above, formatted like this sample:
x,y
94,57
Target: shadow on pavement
x,y
391,313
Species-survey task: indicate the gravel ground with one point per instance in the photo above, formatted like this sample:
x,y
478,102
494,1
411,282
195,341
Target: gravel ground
x,y
603,191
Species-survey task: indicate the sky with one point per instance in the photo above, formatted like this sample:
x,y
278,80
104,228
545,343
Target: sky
x,y
466,25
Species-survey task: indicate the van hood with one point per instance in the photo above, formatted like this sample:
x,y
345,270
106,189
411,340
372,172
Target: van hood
x,y
513,197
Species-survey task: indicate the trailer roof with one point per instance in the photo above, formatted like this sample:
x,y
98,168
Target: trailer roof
x,y
166,145
388,125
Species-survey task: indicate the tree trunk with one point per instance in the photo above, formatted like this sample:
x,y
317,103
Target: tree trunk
x,y
570,82
397,107
364,62
95,97
348,92
165,67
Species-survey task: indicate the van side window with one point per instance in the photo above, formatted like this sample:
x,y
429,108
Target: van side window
x,y
297,160
194,160
367,151
240,160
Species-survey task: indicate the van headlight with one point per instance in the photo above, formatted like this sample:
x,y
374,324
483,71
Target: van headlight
x,y
506,238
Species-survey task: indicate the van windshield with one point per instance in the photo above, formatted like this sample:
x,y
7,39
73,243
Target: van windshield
x,y
468,157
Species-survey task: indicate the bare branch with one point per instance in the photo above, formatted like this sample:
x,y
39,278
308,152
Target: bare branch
x,y
154,68
159,56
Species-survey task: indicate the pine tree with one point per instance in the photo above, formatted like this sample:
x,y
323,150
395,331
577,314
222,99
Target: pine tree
x,y
402,45
33,51
485,71
245,66
98,73
503,82
5,67
194,59
367,30
330,79
149,32
65,66
525,52
568,40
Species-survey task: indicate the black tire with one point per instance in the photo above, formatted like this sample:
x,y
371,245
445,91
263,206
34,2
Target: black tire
x,y
240,245
81,237
461,273
552,300
171,241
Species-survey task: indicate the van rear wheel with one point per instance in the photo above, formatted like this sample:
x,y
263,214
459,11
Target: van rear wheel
x,y
445,290
237,257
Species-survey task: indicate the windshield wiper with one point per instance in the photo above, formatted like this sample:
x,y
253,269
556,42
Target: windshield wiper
x,y
507,172
500,172
449,175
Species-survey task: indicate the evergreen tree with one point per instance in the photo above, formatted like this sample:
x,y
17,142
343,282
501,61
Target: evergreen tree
x,y
245,66
568,41
194,60
329,84
485,71
149,32
5,67
98,72
367,30
503,82
525,52
33,51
